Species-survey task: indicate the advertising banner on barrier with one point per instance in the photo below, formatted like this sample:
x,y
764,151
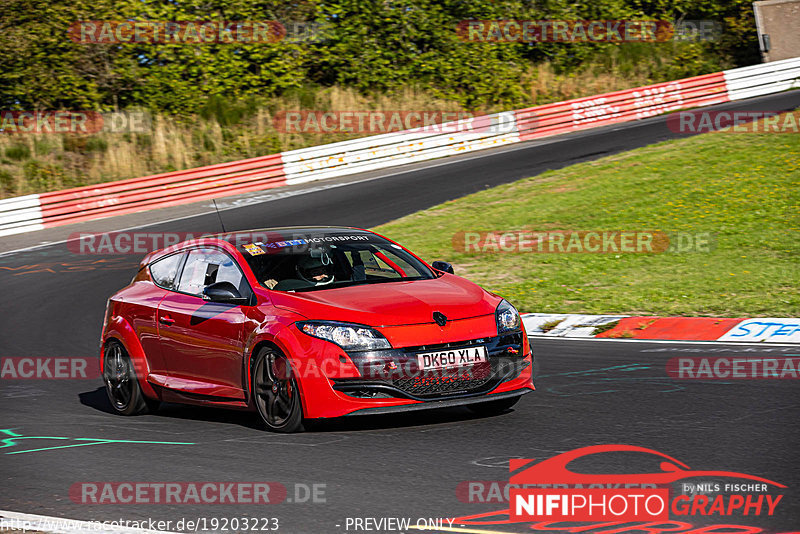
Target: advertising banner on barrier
x,y
766,329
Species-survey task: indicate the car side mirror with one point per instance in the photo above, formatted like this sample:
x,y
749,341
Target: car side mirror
x,y
442,266
224,292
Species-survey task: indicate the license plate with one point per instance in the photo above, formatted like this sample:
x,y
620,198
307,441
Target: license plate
x,y
445,359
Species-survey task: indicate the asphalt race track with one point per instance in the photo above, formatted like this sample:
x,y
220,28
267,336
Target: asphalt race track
x,y
588,392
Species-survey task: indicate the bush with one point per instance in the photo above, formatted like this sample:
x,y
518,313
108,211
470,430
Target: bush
x,y
96,144
143,140
368,46
18,152
74,143
228,112
43,177
42,147
8,185
208,142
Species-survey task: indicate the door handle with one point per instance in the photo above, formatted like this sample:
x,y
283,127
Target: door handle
x,y
166,319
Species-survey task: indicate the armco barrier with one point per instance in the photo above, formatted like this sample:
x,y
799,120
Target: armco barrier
x,y
620,106
20,214
36,212
765,79
387,150
129,196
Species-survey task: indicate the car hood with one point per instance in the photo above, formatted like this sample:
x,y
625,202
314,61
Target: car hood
x,y
392,303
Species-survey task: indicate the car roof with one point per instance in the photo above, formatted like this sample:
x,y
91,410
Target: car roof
x,y
284,232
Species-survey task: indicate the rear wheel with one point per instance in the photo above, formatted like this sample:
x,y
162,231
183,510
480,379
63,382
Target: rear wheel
x,y
122,387
493,407
276,395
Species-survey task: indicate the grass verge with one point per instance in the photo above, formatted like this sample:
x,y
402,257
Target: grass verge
x,y
743,188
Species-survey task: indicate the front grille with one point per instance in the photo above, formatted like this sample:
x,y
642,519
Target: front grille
x,y
395,371
446,381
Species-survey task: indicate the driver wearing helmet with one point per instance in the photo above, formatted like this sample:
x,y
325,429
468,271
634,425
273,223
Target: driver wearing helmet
x,y
316,271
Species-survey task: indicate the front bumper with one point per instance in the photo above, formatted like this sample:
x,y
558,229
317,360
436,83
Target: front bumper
x,y
335,383
394,373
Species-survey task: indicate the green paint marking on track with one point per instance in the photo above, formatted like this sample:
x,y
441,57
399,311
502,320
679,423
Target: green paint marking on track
x,y
14,437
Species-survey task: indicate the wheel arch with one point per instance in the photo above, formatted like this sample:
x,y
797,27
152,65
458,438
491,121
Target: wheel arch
x,y
273,343
120,330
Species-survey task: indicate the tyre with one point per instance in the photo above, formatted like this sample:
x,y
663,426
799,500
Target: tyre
x,y
275,392
122,386
493,407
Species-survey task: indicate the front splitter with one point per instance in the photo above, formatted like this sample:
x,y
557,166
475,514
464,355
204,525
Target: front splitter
x,y
431,405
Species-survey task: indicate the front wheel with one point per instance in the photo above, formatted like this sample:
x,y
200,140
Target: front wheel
x,y
276,395
493,407
122,386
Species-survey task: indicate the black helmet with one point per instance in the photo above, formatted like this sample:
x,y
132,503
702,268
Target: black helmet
x,y
318,271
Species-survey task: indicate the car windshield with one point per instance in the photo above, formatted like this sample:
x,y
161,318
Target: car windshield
x,y
310,263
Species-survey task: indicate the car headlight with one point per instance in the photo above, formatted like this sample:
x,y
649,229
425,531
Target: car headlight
x,y
346,335
508,319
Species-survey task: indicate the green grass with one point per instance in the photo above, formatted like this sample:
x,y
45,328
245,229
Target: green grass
x,y
741,187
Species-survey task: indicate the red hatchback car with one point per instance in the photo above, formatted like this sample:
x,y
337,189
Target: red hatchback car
x,y
307,323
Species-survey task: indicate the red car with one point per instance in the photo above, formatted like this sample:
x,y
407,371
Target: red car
x,y
307,323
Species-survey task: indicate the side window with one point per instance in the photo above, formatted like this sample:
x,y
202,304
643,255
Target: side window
x,y
207,266
385,264
165,271
375,266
